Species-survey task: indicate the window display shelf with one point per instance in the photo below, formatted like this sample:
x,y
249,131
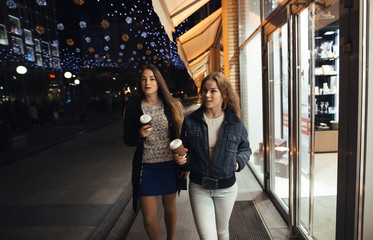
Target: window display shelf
x,y
326,78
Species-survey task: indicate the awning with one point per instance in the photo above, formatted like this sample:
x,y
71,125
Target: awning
x,y
199,65
200,38
172,12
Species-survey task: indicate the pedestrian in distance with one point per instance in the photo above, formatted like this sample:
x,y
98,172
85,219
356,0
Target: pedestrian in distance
x,y
217,144
154,169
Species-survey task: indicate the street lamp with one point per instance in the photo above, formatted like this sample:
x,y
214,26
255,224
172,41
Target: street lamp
x,y
21,70
68,75
76,81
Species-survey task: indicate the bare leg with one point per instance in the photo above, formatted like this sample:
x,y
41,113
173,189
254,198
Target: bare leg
x,y
170,214
149,212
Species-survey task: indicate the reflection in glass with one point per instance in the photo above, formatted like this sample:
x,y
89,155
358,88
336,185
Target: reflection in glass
x,y
279,112
318,30
249,18
269,6
3,35
251,101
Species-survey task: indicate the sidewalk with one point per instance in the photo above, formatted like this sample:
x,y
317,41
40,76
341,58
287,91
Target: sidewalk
x,y
39,138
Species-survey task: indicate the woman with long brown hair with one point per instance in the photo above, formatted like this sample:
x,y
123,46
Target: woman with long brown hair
x,y
217,144
154,171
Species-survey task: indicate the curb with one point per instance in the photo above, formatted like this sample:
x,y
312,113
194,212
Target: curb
x,y
119,220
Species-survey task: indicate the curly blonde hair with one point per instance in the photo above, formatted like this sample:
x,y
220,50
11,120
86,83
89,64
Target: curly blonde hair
x,y
231,100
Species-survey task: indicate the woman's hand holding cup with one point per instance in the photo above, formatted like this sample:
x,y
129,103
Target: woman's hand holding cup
x,y
146,127
179,151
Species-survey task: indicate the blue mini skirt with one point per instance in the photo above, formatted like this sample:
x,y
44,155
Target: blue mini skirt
x,y
158,179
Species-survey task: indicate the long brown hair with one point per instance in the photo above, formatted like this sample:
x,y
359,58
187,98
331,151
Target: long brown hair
x,y
164,94
231,100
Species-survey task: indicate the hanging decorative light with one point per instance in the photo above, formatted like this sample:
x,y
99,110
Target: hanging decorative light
x,y
107,55
144,34
88,39
60,26
82,24
148,52
122,46
77,50
96,55
129,20
40,29
106,48
69,42
125,37
134,52
79,2
105,24
152,44
91,49
41,2
139,46
120,60
11,4
107,38
120,54
155,57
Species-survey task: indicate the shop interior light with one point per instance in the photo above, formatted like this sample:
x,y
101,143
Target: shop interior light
x,y
76,81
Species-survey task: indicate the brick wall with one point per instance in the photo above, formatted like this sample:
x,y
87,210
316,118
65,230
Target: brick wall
x,y
230,42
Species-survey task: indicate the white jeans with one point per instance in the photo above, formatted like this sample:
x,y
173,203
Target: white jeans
x,y
212,210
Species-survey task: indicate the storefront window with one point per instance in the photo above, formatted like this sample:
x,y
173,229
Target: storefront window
x,y
15,25
39,60
17,45
269,6
251,100
54,49
30,54
37,45
47,63
45,50
249,18
56,63
3,35
28,37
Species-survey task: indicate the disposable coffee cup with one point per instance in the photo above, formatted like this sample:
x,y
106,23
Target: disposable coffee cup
x,y
146,119
177,146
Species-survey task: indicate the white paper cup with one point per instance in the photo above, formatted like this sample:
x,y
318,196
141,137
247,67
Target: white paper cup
x,y
146,119
177,146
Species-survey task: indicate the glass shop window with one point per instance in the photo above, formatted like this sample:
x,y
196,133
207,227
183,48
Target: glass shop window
x,y
15,25
3,35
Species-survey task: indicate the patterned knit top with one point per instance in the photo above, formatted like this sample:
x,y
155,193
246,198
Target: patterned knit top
x,y
157,143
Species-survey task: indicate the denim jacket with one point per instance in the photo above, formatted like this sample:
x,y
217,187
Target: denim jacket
x,y
232,147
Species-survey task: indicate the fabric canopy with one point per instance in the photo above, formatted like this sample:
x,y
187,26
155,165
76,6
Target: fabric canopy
x,y
199,65
172,12
200,38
